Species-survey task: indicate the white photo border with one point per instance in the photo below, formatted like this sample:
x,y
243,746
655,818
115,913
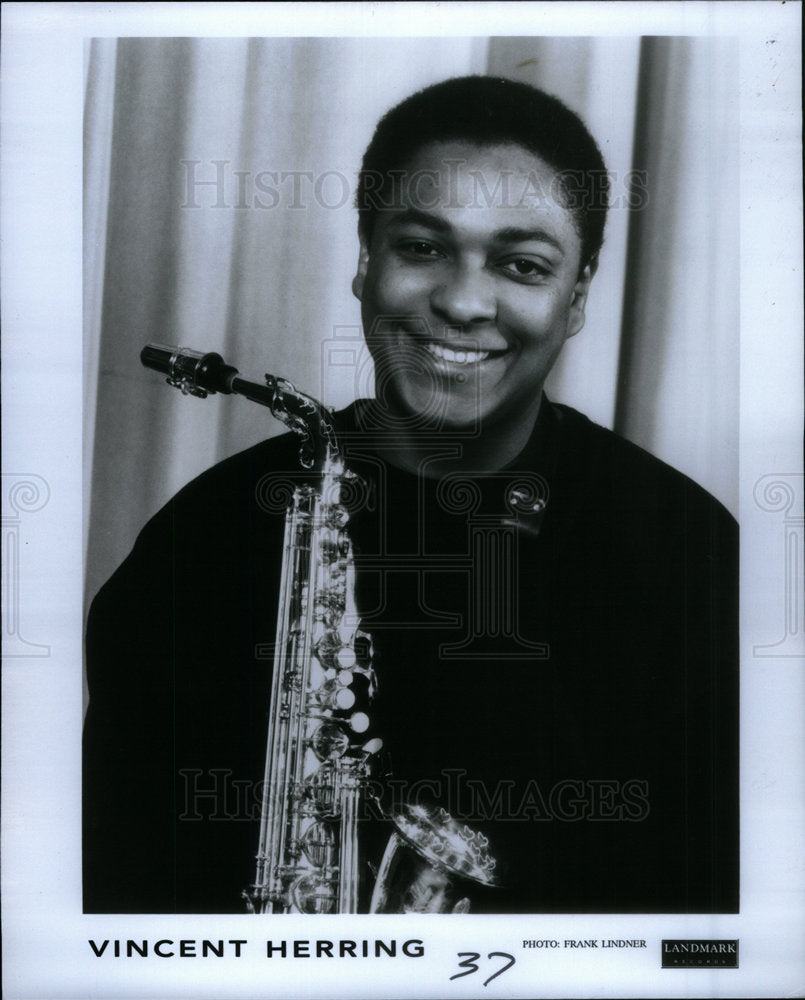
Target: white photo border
x,y
46,942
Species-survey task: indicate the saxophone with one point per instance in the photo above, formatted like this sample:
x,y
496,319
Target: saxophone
x,y
320,751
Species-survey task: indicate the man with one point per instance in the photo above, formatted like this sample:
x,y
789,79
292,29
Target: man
x,y
553,611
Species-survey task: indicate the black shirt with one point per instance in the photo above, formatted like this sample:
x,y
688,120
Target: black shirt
x,y
562,678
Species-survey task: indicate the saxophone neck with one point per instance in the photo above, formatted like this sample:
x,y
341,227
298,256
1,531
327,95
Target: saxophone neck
x,y
319,447
199,374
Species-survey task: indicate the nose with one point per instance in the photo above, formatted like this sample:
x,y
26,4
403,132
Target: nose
x,y
464,296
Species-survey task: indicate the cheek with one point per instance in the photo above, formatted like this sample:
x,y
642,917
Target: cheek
x,y
536,322
400,288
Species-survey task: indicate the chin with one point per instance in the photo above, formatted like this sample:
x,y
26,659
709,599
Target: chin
x,y
433,410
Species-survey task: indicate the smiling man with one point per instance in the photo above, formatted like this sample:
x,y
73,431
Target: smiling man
x,y
478,292
477,252
553,610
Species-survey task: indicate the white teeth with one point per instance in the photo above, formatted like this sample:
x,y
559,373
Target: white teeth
x,y
462,357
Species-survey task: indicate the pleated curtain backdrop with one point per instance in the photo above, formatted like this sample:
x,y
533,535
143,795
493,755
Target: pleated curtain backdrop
x,y
220,176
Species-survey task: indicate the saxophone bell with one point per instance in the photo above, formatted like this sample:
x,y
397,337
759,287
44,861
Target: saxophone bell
x,y
431,864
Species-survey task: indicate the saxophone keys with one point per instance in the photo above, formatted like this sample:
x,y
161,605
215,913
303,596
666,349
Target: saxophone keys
x,y
359,722
336,516
322,788
329,742
344,543
315,894
320,845
345,699
372,747
327,648
346,657
345,677
328,551
328,607
333,695
334,551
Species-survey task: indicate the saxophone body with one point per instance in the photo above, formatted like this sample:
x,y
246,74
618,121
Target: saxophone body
x,y
318,758
321,750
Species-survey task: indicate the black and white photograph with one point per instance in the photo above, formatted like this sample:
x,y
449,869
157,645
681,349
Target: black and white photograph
x,y
403,516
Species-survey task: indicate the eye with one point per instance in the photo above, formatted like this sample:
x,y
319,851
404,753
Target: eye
x,y
419,249
525,269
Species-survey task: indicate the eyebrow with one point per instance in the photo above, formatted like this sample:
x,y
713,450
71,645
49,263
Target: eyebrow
x,y
421,218
514,235
510,234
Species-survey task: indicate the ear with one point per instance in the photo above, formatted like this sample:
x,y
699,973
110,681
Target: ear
x,y
363,265
578,303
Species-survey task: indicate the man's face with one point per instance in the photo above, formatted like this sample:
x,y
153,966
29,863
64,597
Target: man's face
x,y
470,286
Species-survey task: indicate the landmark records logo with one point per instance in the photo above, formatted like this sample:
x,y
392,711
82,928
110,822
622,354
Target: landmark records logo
x,y
696,954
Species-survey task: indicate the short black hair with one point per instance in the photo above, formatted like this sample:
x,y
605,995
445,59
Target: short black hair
x,y
487,110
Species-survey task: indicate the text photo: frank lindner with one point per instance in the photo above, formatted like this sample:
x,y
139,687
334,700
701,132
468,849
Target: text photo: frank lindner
x,y
491,663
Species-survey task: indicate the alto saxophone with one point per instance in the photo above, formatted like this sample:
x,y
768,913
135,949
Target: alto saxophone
x,y
320,751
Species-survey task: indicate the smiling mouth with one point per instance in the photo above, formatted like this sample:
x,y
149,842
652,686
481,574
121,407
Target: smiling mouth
x,y
458,355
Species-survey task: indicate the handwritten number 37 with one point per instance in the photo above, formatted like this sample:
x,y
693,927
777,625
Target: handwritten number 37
x,y
470,958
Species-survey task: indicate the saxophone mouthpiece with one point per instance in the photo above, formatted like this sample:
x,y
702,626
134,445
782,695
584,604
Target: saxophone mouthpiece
x,y
194,372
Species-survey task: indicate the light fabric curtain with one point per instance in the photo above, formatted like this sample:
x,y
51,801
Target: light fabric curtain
x,y
658,360
598,79
218,215
678,384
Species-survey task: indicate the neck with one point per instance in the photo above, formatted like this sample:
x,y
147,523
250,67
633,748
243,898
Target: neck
x,y
435,452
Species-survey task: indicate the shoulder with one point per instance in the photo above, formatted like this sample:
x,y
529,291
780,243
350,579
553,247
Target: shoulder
x,y
247,475
225,485
628,469
614,485
233,500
